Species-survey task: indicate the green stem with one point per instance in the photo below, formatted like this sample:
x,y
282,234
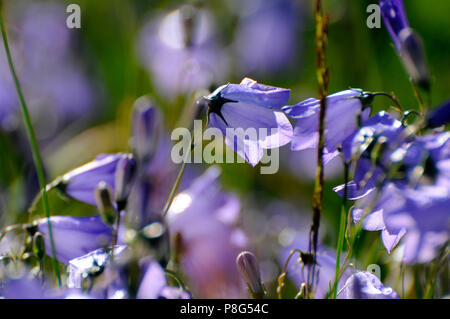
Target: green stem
x,y
177,183
342,227
33,142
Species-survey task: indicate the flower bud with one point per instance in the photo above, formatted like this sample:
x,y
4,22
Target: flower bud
x,y
413,57
105,205
39,245
147,126
124,177
249,269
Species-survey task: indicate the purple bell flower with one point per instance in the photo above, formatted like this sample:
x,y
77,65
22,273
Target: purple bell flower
x,y
364,285
394,17
181,51
80,183
75,236
201,222
344,110
439,116
266,38
407,42
95,274
325,268
380,128
248,107
418,217
154,285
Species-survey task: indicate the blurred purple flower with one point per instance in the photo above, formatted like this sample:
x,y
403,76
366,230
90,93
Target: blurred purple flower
x,y
201,220
80,183
53,81
344,110
408,43
154,284
325,268
440,116
266,38
379,129
94,273
394,17
248,106
419,216
181,51
75,236
364,285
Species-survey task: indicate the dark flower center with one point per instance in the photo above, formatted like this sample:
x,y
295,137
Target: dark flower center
x,y
215,104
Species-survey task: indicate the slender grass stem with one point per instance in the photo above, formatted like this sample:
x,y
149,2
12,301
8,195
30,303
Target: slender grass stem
x,y
174,189
342,228
33,141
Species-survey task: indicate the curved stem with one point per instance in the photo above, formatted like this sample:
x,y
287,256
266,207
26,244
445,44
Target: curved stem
x,y
33,141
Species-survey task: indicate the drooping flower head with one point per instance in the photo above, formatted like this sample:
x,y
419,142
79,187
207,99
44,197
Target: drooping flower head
x,y
80,183
364,285
75,236
394,17
247,108
344,112
407,42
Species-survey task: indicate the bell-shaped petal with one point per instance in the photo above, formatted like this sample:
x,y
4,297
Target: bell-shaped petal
x,y
80,183
75,236
242,113
364,285
154,284
344,110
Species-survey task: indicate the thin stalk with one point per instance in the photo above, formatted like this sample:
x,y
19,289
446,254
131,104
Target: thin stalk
x,y
174,189
33,142
418,97
342,227
323,80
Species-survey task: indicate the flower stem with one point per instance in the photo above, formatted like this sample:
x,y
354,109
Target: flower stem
x,y
33,142
174,188
342,228
323,80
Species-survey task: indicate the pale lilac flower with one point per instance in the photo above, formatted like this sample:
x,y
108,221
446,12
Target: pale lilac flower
x,y
381,128
408,43
95,274
52,78
201,222
418,217
248,106
154,284
75,236
345,110
181,51
364,285
266,39
325,269
80,183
